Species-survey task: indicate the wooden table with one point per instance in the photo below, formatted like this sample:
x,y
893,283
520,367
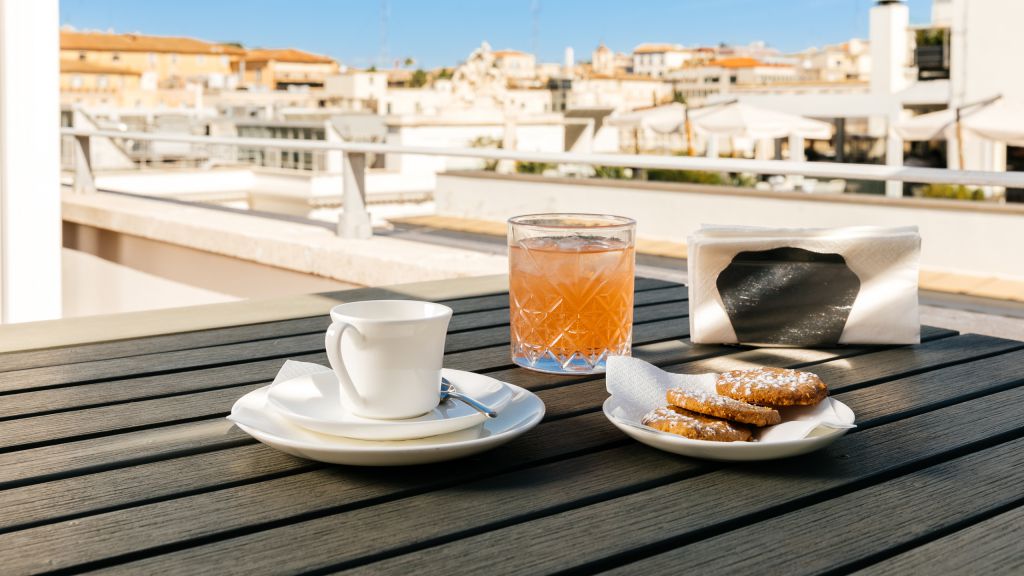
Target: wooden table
x,y
116,456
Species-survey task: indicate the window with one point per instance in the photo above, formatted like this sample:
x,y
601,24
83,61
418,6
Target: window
x,y
152,59
174,58
200,59
76,81
116,57
224,61
81,56
102,81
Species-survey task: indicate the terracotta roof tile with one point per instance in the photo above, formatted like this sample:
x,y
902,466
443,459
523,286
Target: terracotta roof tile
x,y
287,55
505,53
85,67
656,48
738,62
139,43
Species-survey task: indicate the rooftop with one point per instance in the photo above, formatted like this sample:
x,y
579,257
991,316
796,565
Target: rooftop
x,y
657,48
85,67
140,43
624,76
507,53
740,62
286,55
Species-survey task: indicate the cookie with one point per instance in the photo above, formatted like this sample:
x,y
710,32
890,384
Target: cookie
x,y
711,404
773,387
676,420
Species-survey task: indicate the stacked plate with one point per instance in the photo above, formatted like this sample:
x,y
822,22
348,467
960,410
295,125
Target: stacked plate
x,y
304,416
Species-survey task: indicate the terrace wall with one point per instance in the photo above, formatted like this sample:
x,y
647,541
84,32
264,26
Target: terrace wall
x,y
957,236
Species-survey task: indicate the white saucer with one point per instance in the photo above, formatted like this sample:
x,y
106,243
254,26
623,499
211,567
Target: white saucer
x,y
313,402
737,451
254,416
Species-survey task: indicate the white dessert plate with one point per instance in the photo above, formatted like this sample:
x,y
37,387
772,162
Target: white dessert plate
x,y
734,451
257,418
313,402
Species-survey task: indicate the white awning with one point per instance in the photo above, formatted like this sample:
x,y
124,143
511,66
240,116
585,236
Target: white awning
x,y
928,126
664,119
1002,121
740,120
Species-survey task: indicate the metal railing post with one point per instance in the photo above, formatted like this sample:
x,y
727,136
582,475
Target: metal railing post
x,y
84,182
355,220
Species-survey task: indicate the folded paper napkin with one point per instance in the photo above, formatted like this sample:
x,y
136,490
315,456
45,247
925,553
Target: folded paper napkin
x,y
638,387
804,286
294,369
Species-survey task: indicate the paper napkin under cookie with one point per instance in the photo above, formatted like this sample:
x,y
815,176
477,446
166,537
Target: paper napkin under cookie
x,y
640,386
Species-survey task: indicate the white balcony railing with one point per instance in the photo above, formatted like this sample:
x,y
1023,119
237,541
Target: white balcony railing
x,y
354,221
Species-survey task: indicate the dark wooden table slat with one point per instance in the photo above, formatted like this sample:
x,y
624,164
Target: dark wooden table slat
x,y
248,332
488,328
988,547
843,532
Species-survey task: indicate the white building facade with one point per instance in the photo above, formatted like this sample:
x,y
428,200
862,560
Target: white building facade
x,y
658,59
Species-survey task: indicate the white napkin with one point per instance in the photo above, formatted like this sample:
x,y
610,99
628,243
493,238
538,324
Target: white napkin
x,y
885,260
293,369
639,387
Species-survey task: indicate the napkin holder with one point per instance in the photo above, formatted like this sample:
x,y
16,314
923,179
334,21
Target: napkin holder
x,y
804,287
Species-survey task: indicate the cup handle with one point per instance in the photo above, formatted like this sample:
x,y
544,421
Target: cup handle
x,y
333,344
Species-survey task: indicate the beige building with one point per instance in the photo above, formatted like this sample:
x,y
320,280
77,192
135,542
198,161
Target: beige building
x,y
837,63
282,68
604,61
515,64
620,92
357,90
162,62
94,84
658,59
698,81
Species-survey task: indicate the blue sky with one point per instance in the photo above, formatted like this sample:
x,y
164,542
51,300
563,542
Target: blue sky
x,y
443,32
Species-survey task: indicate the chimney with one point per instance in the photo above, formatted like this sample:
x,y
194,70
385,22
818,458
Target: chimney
x,y
889,22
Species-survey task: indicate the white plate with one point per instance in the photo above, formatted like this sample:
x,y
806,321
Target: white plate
x,y
313,402
738,451
254,416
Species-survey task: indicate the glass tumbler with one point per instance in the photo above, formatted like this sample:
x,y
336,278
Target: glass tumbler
x,y
571,290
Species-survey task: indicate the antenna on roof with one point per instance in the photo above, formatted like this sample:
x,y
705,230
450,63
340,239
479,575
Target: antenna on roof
x,y
385,14
535,32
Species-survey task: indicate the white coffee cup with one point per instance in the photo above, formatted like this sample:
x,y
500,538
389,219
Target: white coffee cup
x,y
387,355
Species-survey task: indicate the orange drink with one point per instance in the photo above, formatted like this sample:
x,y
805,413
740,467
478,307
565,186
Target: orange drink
x,y
571,291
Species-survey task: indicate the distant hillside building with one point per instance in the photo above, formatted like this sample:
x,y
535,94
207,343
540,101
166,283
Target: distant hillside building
x,y
658,59
281,69
94,84
701,80
838,62
606,62
163,62
515,64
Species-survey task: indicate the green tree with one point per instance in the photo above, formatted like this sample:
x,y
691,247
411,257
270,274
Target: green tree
x,y
371,69
444,74
533,167
678,96
409,62
487,142
419,78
